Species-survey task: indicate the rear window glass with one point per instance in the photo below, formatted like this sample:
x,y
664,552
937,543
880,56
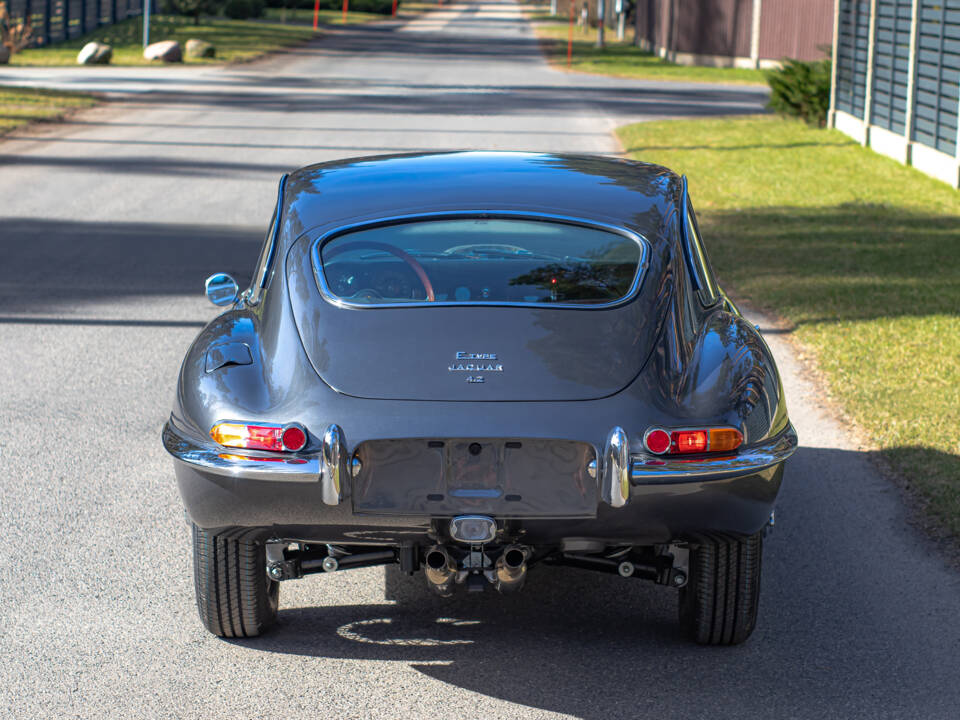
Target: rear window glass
x,y
480,261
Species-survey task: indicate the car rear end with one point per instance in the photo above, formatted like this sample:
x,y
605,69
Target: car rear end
x,y
481,390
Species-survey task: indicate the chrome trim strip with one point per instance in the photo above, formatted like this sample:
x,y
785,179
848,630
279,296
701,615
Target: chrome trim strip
x,y
684,236
334,299
615,490
658,469
261,283
239,463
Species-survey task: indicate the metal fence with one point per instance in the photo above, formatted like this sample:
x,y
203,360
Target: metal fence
x,y
58,20
896,84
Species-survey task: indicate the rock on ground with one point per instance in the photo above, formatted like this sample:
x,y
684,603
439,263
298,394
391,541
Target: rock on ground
x,y
94,53
200,48
165,50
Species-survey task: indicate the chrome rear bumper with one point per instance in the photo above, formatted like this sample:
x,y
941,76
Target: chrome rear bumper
x,y
623,475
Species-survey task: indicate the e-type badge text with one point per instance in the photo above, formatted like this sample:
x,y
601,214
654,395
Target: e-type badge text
x,y
475,363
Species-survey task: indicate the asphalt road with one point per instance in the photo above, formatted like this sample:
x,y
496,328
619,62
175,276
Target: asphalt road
x,y
111,222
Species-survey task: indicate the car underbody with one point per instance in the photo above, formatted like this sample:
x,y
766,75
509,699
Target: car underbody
x,y
447,566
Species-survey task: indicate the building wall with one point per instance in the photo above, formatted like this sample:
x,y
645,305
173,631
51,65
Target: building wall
x,y
796,29
721,32
712,27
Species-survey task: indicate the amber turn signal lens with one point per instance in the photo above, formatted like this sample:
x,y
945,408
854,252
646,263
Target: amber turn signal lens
x,y
230,434
725,439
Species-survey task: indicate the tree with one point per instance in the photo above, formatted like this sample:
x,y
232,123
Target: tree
x,y
15,35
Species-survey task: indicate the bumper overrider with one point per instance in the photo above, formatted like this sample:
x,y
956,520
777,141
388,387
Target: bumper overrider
x,y
640,495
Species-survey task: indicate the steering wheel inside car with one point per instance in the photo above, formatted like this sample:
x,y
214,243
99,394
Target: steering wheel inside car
x,y
402,254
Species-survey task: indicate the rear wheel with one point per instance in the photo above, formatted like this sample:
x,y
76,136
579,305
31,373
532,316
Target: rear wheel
x,y
235,597
718,606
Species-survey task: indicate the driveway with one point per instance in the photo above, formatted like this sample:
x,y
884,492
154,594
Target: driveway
x,y
109,225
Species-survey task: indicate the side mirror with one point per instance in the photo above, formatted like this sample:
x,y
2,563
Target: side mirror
x,y
222,289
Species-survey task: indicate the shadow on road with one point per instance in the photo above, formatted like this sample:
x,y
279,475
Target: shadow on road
x,y
139,164
51,264
321,97
832,639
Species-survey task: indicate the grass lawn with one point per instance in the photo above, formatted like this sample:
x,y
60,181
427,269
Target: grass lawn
x,y
19,106
859,253
234,40
626,60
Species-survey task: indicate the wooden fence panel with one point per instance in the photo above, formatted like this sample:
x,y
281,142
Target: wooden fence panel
x,y
853,44
891,64
937,95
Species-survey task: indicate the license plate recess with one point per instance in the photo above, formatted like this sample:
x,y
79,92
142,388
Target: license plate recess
x,y
521,478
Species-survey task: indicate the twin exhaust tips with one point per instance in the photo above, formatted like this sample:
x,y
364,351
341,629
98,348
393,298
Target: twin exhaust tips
x,y
507,572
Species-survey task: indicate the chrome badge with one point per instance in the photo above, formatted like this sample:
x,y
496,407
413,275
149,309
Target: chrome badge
x,y
474,363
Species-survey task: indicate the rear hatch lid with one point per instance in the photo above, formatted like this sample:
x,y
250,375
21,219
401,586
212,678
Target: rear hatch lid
x,y
476,309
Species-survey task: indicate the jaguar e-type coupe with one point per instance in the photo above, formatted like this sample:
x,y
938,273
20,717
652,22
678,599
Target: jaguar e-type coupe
x,y
472,364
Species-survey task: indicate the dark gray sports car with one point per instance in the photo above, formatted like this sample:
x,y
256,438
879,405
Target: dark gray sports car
x,y
472,364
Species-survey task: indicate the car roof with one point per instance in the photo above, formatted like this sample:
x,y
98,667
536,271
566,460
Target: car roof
x,y
625,193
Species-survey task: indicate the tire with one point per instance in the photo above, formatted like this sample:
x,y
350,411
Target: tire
x,y
718,605
235,598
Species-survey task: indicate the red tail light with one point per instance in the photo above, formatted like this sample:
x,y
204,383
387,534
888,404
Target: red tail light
x,y
293,438
657,441
688,441
276,438
692,440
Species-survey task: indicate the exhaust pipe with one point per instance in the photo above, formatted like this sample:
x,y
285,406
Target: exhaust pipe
x,y
511,569
440,571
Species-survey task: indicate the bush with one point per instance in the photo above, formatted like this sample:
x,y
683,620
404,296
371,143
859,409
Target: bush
x,y
382,7
801,89
238,9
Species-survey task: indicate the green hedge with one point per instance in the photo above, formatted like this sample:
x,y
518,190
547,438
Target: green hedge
x,y
801,89
235,9
382,7
243,9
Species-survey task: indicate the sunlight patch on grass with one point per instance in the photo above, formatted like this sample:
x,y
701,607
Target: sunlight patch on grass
x,y
20,106
623,59
234,40
860,253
